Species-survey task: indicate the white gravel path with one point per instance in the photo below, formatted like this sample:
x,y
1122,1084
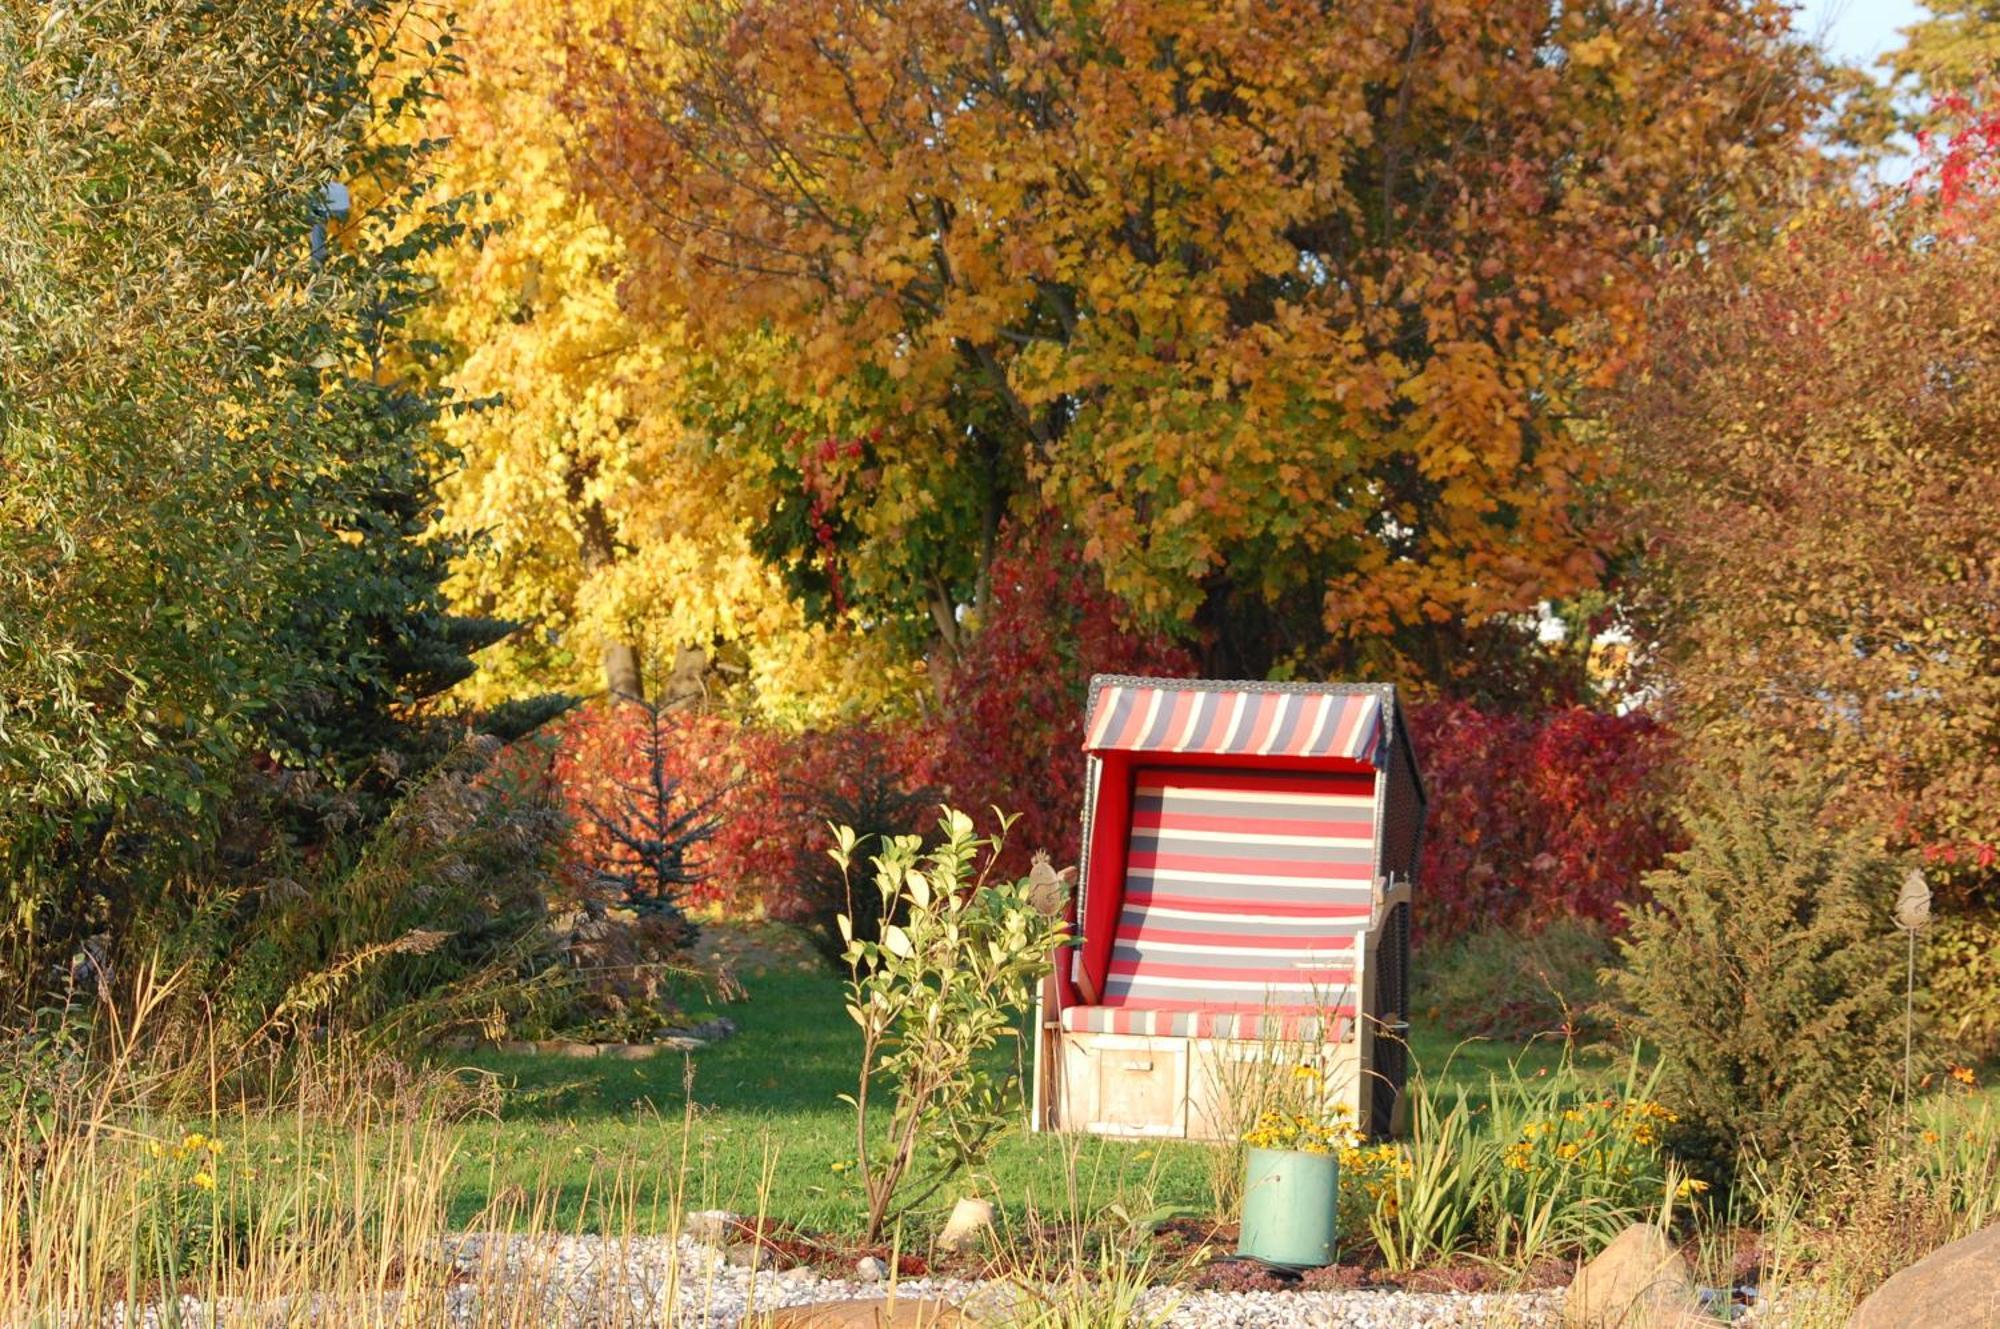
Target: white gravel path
x,y
586,1282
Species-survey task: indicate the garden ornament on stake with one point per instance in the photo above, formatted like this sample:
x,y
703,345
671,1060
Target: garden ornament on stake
x,y
1913,915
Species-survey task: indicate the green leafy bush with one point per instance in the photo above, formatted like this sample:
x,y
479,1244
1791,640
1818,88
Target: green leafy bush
x,y
1516,984
933,996
1964,998
1765,971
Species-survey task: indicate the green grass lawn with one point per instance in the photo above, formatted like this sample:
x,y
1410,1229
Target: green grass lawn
x,y
766,1127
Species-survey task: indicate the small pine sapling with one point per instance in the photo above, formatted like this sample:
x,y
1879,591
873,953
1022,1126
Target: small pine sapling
x,y
653,832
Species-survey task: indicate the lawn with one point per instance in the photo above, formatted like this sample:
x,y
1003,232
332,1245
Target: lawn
x,y
766,1127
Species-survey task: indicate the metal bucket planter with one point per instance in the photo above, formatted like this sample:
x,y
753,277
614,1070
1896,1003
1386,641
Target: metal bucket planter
x,y
1290,1204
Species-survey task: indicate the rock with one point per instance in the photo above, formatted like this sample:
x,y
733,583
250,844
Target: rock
x,y
708,1226
870,1270
1639,1281
970,1220
870,1313
743,1254
630,1051
1954,1287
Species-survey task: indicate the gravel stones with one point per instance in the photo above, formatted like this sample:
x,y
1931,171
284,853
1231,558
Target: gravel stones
x,y
583,1282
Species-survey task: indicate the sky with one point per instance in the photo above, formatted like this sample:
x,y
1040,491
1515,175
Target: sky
x,y
1857,30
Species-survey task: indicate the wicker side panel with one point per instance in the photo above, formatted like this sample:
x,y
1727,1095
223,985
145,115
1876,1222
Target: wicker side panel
x,y
1402,848
1392,995
1403,818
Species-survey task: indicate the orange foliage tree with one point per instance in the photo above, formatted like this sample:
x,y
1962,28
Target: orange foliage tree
x,y
1812,449
1285,306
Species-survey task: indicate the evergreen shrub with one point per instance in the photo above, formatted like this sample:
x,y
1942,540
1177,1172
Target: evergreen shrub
x,y
1766,973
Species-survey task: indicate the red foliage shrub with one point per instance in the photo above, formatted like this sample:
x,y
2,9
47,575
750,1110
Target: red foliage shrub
x,y
1009,730
600,744
1537,817
1531,817
870,778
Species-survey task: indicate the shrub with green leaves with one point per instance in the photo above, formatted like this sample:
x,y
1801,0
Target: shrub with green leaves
x,y
934,995
1766,972
218,562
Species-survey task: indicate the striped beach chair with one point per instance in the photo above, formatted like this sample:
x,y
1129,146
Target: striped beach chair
x,y
1244,896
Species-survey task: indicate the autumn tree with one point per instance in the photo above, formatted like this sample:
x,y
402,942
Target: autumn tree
x,y
1954,48
1286,307
602,489
1811,445
216,447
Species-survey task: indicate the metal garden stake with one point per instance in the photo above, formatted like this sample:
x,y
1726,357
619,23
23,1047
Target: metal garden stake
x,y
1913,915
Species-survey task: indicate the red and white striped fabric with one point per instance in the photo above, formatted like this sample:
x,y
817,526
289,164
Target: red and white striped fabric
x,y
1251,1027
1244,895
1165,718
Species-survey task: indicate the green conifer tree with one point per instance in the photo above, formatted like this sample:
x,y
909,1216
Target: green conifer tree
x,y
1765,971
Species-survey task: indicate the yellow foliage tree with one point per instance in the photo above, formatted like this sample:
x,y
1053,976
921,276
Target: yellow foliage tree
x,y
610,516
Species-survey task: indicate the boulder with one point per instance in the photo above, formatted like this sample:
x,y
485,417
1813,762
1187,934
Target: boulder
x,y
869,1269
970,1221
1639,1281
870,1313
1954,1287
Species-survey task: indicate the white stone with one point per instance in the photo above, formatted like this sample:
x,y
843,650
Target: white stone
x,y
970,1220
708,1226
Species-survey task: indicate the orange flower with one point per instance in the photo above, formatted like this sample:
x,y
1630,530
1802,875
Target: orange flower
x,y
1964,1075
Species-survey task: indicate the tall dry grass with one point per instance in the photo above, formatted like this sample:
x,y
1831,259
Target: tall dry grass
x,y
332,1206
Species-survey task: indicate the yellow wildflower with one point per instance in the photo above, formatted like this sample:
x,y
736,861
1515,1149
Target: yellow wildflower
x,y
1690,1186
204,1180
1964,1075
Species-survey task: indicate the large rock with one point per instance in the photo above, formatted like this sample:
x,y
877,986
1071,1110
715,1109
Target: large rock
x,y
870,1313
1639,1281
1954,1287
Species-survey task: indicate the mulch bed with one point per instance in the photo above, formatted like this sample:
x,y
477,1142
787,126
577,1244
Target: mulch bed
x,y
1203,1250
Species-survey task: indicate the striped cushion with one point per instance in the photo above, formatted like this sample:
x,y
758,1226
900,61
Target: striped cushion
x,y
1244,894
1275,1026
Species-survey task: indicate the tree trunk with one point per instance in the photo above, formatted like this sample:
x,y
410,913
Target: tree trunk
x,y
622,678
621,672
